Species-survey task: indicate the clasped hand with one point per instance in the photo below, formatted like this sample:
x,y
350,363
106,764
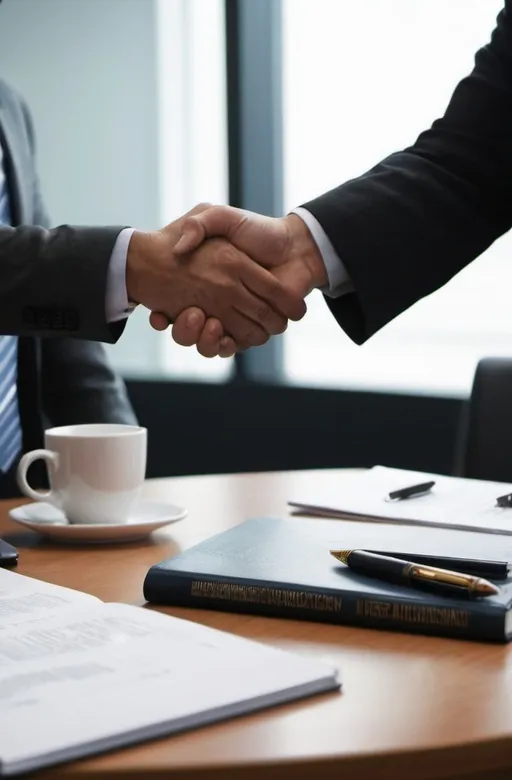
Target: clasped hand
x,y
227,279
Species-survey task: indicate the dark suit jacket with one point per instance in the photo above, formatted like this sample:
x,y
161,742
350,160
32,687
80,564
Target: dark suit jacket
x,y
407,226
53,281
61,380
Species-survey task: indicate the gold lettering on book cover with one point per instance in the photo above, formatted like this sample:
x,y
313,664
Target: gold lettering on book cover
x,y
258,594
375,609
413,613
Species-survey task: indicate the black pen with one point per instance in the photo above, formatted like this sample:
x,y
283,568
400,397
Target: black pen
x,y
406,572
409,492
504,501
495,570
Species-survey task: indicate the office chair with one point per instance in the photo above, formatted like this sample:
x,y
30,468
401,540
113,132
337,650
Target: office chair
x,y
484,446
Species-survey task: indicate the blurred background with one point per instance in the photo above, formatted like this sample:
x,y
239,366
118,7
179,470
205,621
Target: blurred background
x,y
143,108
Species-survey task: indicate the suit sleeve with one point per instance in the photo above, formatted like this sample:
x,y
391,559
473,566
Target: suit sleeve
x,y
407,226
54,281
78,385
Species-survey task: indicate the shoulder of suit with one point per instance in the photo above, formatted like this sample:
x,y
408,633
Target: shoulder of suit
x,y
14,103
9,93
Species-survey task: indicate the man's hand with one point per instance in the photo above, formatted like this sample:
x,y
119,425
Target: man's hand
x,y
217,278
283,245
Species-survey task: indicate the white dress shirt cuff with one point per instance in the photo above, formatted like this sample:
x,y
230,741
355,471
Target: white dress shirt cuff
x,y
339,280
117,306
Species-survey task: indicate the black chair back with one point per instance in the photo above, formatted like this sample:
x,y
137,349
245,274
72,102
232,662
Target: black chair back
x,y
484,447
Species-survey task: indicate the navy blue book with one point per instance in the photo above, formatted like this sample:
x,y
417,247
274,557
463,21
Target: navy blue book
x,y
283,568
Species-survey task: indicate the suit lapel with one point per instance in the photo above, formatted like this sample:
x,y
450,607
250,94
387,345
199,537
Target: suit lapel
x,y
13,162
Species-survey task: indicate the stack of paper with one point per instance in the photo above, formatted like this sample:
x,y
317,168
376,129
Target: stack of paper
x,y
453,502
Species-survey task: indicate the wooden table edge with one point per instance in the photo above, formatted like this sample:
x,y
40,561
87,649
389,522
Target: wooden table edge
x,y
492,762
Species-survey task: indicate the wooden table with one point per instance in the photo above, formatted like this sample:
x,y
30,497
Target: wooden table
x,y
411,706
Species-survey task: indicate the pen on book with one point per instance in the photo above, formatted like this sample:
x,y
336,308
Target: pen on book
x,y
496,570
410,492
407,572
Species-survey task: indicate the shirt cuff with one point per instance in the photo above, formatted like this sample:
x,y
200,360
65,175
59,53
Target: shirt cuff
x,y
339,280
117,306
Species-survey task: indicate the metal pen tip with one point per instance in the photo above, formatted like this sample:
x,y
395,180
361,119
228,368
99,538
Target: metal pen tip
x,y
485,588
340,555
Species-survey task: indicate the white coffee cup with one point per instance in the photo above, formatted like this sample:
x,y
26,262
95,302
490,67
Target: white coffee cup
x,y
96,471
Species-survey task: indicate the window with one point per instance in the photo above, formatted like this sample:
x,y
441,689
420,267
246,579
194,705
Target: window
x,y
146,138
193,136
360,81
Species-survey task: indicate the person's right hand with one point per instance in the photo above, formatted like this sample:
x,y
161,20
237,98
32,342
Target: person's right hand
x,y
216,279
283,245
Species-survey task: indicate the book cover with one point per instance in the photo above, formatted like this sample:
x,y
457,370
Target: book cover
x,y
283,568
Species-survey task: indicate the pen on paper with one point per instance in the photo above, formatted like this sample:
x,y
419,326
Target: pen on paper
x,y
411,492
504,501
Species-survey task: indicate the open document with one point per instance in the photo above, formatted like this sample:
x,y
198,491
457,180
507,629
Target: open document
x,y
453,502
78,676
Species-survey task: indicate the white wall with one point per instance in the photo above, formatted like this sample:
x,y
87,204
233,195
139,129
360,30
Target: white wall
x,y
88,69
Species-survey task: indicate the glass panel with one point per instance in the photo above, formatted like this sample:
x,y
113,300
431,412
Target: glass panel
x,y
193,137
362,80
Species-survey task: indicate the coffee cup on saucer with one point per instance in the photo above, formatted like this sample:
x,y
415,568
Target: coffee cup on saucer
x,y
96,471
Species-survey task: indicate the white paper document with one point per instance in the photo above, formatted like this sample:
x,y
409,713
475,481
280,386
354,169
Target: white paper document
x,y
453,502
78,676
25,599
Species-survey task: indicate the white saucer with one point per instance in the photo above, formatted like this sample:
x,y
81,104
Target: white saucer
x,y
50,522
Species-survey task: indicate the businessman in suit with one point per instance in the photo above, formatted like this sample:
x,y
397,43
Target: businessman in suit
x,y
43,382
378,243
61,288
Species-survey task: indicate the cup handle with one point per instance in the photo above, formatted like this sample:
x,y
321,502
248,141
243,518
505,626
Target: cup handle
x,y
52,463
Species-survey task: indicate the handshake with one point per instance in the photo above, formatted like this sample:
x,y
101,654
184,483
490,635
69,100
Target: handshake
x,y
227,279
